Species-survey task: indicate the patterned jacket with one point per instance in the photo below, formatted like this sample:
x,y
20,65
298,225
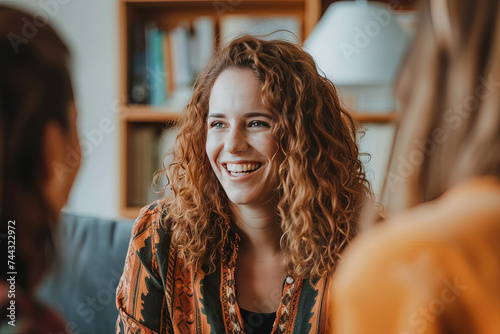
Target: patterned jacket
x,y
156,295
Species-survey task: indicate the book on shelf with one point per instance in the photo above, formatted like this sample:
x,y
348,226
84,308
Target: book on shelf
x,y
146,67
137,78
154,68
167,64
182,71
143,163
203,41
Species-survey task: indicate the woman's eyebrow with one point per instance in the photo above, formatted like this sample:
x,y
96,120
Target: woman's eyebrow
x,y
247,115
257,114
216,116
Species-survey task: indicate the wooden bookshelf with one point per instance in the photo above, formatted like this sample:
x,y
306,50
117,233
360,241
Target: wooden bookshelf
x,y
167,14
140,113
368,117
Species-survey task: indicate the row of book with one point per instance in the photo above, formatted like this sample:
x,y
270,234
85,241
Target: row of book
x,y
163,64
149,147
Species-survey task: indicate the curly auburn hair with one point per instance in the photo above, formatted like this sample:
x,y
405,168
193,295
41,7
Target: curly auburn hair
x,y
322,183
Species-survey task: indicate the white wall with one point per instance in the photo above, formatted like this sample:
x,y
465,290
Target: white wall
x,y
90,28
377,142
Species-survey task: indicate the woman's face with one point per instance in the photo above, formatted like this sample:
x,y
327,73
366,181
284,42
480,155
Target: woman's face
x,y
73,141
242,151
63,159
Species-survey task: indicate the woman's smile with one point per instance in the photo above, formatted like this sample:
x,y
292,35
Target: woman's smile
x,y
241,172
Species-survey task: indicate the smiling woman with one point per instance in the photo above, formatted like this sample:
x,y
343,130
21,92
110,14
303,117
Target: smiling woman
x,y
267,187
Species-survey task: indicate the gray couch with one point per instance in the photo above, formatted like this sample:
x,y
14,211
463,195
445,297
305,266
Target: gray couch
x,y
82,286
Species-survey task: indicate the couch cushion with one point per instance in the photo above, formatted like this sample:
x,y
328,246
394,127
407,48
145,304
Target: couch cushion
x,y
83,284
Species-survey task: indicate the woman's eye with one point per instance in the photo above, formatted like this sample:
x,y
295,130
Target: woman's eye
x,y
217,124
258,124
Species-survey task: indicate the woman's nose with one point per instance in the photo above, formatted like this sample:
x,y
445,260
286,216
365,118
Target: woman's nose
x,y
236,141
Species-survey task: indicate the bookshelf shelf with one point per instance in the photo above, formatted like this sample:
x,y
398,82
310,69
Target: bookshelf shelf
x,y
388,117
149,114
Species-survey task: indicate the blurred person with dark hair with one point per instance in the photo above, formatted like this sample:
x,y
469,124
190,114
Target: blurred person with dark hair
x,y
37,130
435,266
267,185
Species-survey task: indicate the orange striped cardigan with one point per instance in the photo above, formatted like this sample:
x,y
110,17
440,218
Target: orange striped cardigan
x,y
157,295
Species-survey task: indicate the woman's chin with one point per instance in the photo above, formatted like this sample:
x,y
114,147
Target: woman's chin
x,y
243,199
240,200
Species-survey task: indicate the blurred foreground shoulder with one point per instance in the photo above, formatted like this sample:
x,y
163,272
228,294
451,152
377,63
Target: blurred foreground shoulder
x,y
433,269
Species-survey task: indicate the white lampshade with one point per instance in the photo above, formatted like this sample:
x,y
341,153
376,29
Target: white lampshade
x,y
358,43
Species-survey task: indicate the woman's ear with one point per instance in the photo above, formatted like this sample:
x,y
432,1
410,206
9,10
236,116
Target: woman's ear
x,y
58,173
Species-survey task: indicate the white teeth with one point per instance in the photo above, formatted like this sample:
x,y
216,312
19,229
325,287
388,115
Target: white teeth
x,y
238,168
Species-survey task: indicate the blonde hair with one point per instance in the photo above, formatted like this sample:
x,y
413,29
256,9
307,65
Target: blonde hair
x,y
449,94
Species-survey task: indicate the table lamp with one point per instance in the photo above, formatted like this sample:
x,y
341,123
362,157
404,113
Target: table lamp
x,y
359,45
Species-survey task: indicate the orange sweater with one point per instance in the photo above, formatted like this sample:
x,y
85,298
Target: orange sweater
x,y
433,269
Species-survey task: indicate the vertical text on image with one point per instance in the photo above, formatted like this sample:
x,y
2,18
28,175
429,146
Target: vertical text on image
x,y
11,271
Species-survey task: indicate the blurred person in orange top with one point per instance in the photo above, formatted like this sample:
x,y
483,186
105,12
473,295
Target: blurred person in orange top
x,y
434,267
37,130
